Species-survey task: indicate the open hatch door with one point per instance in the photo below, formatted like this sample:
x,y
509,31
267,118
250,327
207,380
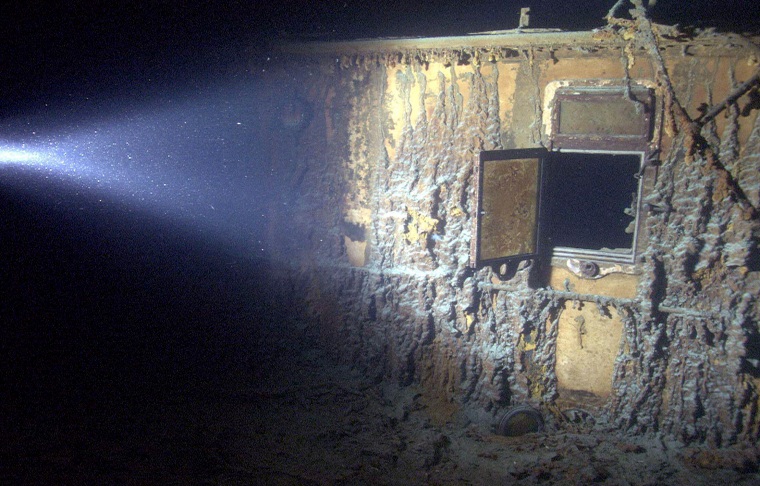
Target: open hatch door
x,y
506,226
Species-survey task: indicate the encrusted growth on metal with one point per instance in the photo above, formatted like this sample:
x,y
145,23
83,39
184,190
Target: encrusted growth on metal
x,y
396,131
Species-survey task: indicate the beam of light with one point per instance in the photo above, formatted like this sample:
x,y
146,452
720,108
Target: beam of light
x,y
195,162
48,160
11,156
18,156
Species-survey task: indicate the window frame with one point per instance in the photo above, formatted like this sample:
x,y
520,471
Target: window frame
x,y
541,242
608,256
475,243
642,144
599,141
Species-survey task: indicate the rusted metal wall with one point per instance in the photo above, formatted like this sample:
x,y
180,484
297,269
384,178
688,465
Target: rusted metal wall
x,y
371,226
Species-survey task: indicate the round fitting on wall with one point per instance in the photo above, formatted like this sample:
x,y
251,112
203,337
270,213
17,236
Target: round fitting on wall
x,y
520,420
589,269
294,114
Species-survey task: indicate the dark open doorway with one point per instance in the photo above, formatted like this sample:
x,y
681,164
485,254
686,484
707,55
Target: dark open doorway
x,y
591,198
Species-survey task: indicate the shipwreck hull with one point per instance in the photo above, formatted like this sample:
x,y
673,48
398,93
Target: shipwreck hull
x,y
374,206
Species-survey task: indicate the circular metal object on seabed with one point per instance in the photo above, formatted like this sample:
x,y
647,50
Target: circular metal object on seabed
x,y
521,420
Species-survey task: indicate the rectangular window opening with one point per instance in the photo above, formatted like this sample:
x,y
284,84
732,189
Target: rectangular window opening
x,y
592,201
569,204
581,199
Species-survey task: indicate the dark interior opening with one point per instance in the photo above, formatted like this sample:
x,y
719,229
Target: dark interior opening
x,y
587,196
